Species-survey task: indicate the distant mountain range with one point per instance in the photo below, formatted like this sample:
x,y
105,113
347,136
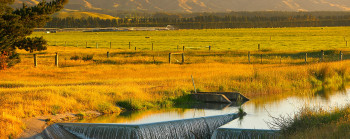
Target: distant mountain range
x,y
206,5
193,6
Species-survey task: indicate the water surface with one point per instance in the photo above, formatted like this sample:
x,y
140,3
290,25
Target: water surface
x,y
259,110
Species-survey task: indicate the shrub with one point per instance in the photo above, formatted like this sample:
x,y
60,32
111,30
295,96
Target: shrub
x,y
130,105
75,57
107,108
88,57
139,105
323,73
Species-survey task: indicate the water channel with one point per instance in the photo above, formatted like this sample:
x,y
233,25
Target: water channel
x,y
259,110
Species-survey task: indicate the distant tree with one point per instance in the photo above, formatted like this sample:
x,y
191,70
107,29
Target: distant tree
x,y
17,24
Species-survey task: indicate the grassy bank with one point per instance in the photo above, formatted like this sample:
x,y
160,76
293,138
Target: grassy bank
x,y
317,123
87,80
89,85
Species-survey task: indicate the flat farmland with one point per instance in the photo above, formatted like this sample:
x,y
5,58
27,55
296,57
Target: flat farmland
x,y
270,39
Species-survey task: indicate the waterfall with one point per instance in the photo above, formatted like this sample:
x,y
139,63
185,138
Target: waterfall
x,y
185,129
56,132
202,127
228,133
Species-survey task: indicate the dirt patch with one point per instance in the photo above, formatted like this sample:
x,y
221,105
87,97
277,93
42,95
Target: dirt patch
x,y
36,125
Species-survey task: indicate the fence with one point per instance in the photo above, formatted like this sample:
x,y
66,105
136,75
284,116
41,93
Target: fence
x,y
124,45
249,57
35,56
182,56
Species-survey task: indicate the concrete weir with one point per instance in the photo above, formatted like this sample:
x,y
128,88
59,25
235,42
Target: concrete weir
x,y
202,128
219,97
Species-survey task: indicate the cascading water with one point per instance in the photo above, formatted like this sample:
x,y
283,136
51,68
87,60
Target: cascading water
x,y
184,129
230,133
56,132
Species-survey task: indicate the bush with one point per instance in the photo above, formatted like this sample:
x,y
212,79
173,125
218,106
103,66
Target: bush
x,y
323,73
130,105
107,108
139,105
88,57
75,57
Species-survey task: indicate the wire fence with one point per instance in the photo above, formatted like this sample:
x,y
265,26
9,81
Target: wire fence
x,y
193,56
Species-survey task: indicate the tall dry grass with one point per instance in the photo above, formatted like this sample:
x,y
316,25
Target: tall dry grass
x,y
132,80
316,123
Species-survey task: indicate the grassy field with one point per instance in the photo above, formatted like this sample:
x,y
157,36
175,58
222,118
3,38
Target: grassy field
x,y
275,39
87,80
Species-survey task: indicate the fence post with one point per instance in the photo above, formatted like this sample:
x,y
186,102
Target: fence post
x,y
261,58
135,48
107,54
305,57
154,61
35,60
322,56
209,47
249,57
258,46
129,45
56,59
183,48
169,58
341,56
183,58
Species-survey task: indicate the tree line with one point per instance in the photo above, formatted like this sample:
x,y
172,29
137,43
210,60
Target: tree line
x,y
211,21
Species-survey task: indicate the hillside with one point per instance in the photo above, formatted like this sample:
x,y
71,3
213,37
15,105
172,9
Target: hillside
x,y
79,14
190,6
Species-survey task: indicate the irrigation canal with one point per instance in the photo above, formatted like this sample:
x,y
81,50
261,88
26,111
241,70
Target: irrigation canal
x,y
259,112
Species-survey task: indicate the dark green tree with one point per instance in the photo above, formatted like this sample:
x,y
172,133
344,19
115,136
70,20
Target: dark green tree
x,y
17,24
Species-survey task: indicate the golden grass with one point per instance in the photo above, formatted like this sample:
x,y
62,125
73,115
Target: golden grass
x,y
79,85
319,123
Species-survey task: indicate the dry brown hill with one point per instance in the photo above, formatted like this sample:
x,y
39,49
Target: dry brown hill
x,y
204,5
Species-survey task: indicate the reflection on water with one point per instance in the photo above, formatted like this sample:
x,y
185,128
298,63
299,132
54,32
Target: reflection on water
x,y
258,110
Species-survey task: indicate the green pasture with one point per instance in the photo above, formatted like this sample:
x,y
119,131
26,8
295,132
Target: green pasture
x,y
270,39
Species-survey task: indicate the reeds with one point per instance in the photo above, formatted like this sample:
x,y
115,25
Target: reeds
x,y
315,123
